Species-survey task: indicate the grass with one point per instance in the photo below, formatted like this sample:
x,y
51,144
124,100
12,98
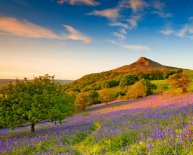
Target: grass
x,y
152,125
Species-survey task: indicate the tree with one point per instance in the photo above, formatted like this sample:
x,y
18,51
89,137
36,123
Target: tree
x,y
108,95
141,88
111,83
170,74
84,99
128,80
181,81
33,101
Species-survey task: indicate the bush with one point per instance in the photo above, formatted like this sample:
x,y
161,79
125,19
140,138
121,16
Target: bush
x,y
128,80
108,95
161,89
141,88
112,83
84,99
170,74
181,81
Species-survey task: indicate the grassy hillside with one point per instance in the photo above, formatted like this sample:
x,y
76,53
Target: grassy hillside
x,y
143,65
142,68
4,82
152,125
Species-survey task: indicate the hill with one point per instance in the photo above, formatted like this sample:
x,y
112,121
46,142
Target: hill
x,y
143,68
143,65
4,82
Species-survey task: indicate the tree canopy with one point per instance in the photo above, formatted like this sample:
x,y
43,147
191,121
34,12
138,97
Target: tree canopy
x,y
32,101
181,81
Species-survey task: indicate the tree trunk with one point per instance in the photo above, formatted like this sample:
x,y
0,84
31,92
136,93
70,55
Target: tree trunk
x,y
33,127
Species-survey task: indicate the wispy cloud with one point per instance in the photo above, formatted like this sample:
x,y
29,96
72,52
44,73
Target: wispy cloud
x,y
107,13
121,34
74,2
139,8
133,47
25,28
163,14
134,5
76,35
136,47
119,24
137,4
157,4
186,30
167,31
133,21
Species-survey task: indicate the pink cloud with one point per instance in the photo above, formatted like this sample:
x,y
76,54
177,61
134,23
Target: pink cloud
x,y
25,29
137,4
74,34
108,13
73,2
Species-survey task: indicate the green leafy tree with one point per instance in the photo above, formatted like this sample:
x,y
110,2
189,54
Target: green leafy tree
x,y
108,95
141,88
170,74
84,99
33,101
128,80
111,83
181,81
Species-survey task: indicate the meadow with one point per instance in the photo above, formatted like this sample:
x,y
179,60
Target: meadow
x,y
161,125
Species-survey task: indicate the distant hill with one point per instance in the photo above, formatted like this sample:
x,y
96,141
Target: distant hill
x,y
142,65
4,82
143,68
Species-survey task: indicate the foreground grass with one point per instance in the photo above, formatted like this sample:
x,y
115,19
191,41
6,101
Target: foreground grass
x,y
153,125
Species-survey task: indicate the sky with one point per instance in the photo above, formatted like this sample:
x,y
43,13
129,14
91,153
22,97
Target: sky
x,y
71,38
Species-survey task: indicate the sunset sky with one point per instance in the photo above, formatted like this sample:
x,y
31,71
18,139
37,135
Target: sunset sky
x,y
71,38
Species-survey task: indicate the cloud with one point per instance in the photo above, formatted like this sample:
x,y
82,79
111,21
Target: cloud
x,y
157,4
107,13
137,4
136,47
76,35
167,31
121,34
163,14
186,31
131,46
119,24
25,28
133,21
74,2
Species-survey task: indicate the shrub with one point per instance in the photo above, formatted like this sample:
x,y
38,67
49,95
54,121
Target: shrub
x,y
108,95
141,88
84,99
161,89
128,80
111,83
181,81
170,74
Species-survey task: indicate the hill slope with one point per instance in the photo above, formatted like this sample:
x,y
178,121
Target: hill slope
x,y
143,68
141,65
4,82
